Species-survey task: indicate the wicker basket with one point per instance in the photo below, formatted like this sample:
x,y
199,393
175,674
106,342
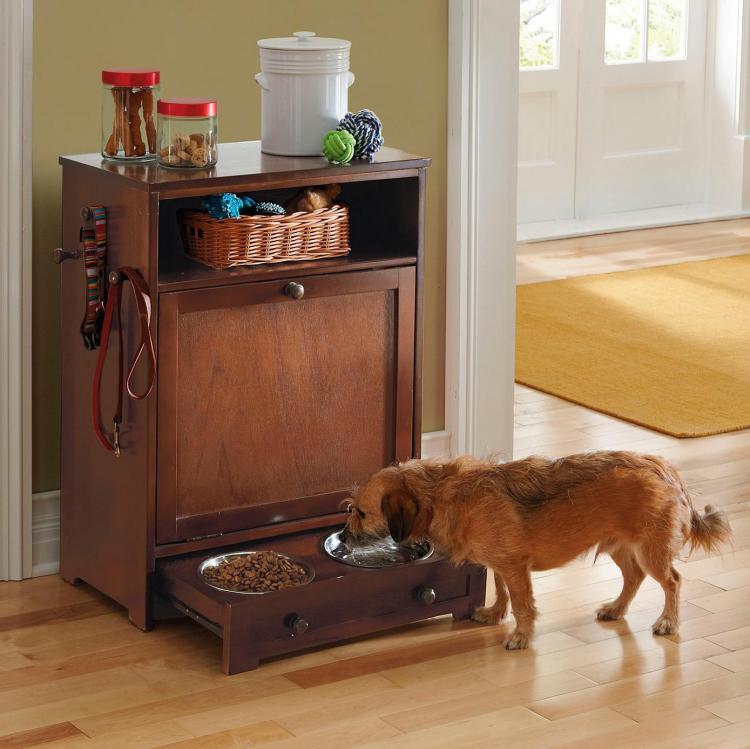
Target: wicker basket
x,y
253,240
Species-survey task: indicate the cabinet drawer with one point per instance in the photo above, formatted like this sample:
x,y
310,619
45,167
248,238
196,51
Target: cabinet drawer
x,y
340,602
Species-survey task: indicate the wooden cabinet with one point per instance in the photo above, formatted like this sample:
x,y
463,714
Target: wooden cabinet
x,y
279,387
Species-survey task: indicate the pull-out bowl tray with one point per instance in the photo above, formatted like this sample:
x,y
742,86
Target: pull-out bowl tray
x,y
341,601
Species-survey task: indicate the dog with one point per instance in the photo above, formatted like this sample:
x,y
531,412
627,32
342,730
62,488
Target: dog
x,y
537,514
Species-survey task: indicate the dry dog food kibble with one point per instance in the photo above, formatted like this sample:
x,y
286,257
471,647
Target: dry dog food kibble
x,y
260,572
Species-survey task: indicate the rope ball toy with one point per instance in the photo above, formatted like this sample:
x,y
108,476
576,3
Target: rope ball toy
x,y
367,130
338,146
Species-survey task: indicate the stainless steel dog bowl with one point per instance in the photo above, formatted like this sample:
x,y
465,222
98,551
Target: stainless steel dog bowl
x,y
383,553
217,560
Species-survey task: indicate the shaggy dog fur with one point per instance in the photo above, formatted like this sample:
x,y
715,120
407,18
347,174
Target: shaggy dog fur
x,y
536,514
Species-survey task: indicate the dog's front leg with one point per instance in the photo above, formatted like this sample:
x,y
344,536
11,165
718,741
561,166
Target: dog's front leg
x,y
522,601
495,613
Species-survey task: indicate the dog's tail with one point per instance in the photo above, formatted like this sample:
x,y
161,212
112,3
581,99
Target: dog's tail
x,y
710,530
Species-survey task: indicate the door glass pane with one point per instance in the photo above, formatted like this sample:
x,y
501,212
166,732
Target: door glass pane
x,y
539,37
623,30
666,29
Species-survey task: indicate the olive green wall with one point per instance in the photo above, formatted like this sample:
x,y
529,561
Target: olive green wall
x,y
399,56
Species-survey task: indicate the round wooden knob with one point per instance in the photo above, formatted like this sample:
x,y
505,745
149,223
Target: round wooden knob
x,y
294,290
298,625
427,595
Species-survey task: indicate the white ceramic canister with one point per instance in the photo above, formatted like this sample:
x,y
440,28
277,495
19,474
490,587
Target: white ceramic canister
x,y
305,81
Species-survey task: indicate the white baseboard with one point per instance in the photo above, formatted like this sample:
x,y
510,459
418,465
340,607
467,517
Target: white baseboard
x,y
436,444
45,533
45,513
627,221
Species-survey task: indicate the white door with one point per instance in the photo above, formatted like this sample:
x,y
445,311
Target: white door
x,y
641,119
547,109
611,106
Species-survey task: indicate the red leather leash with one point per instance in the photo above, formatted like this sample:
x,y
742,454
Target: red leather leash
x,y
146,345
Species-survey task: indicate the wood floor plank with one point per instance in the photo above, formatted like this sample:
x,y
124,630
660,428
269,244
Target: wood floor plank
x,y
617,669
492,730
39,736
605,695
495,698
737,661
256,734
156,711
734,710
34,618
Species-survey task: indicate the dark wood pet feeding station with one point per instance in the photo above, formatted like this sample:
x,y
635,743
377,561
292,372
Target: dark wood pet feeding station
x,y
278,387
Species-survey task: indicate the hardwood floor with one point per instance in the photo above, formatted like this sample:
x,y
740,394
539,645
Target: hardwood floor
x,y
627,250
74,673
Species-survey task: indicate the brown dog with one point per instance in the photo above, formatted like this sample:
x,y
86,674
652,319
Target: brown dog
x,y
536,514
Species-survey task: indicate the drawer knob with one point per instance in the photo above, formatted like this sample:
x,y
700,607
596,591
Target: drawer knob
x,y
426,595
297,624
294,290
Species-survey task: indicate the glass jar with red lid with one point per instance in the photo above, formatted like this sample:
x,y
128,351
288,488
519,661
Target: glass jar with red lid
x,y
128,126
188,130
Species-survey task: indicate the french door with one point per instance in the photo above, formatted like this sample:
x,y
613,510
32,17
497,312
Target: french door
x,y
611,106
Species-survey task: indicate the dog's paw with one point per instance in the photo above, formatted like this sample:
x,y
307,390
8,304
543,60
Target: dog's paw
x,y
486,615
517,641
664,626
608,613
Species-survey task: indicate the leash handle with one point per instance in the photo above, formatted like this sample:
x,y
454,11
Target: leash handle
x,y
142,302
94,241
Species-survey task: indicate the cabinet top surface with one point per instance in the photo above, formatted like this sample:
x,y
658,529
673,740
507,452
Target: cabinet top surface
x,y
245,160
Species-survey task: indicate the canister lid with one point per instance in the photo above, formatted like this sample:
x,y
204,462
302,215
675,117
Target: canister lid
x,y
130,76
187,107
303,41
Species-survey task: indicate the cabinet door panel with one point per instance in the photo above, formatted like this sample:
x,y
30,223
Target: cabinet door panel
x,y
271,408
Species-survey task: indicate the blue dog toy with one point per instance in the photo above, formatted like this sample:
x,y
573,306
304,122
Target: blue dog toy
x,y
227,205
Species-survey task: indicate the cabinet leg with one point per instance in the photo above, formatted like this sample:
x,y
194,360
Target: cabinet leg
x,y
237,658
140,618
464,613
238,654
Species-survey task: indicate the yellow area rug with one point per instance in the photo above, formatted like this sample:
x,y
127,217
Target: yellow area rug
x,y
667,348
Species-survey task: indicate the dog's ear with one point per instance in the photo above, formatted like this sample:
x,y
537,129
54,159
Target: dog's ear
x,y
400,510
404,515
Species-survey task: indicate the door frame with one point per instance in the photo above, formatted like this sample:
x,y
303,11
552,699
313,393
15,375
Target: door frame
x,y
15,291
481,225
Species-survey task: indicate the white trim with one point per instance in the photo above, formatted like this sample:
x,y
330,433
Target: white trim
x,y
436,444
480,259
15,289
45,533
694,213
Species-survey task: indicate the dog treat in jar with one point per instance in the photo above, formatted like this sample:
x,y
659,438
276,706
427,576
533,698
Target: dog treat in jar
x,y
187,132
128,126
254,572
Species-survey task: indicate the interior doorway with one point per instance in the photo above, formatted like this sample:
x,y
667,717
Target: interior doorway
x,y
612,107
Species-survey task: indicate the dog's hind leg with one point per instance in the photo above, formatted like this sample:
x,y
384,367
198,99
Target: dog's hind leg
x,y
632,577
656,560
495,613
522,600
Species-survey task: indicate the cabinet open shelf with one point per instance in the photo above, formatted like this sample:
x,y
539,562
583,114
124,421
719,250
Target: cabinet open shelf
x,y
382,226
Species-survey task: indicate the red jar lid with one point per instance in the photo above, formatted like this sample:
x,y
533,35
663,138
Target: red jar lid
x,y
187,107
131,77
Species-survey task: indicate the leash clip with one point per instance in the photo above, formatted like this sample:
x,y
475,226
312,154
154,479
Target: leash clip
x,y
116,438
